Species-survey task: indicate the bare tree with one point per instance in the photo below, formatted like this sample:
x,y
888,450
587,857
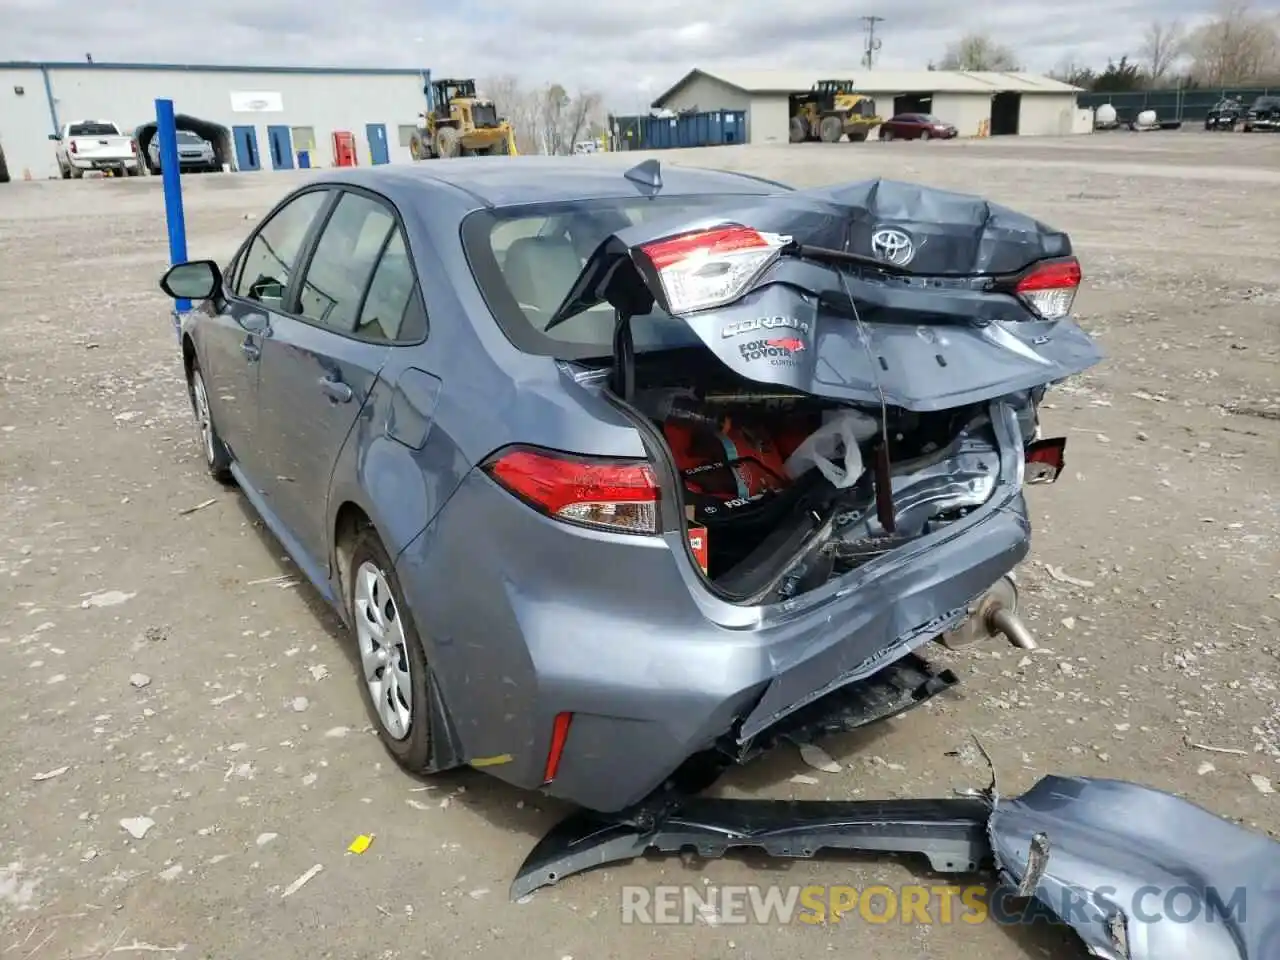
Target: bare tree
x,y
1162,44
546,120
517,105
975,51
1238,46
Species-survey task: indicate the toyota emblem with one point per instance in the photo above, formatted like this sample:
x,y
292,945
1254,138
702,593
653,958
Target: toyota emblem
x,y
893,246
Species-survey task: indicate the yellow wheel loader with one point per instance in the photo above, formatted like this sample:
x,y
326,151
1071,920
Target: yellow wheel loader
x,y
830,111
458,123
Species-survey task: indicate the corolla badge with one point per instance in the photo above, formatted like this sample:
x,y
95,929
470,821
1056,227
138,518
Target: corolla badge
x,y
893,246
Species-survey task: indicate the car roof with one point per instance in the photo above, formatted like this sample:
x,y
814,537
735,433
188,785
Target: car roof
x,y
507,181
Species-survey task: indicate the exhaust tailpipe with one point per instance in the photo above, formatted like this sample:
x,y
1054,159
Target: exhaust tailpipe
x,y
994,614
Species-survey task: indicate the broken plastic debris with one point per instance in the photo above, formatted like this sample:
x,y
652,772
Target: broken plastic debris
x,y
108,598
302,881
300,703
337,731
1262,783
319,671
360,844
265,838
818,758
50,774
140,680
137,827
1062,577
804,778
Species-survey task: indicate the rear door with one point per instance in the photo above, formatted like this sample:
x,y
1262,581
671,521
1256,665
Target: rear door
x,y
321,362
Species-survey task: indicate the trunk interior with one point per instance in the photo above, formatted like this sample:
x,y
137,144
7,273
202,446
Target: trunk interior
x,y
783,491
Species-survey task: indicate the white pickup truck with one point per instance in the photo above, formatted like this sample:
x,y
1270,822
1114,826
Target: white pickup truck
x,y
95,145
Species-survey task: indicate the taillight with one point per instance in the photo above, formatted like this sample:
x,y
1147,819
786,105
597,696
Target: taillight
x,y
133,146
1045,460
1049,288
710,268
617,495
72,148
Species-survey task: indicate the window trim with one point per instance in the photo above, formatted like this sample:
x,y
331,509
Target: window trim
x,y
294,292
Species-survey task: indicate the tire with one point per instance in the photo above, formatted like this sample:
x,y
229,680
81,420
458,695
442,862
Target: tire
x,y
831,129
924,135
799,130
77,173
376,604
886,135
446,142
64,171
217,458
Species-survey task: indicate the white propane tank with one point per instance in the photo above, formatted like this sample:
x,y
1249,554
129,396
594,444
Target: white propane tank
x,y
1106,115
1147,118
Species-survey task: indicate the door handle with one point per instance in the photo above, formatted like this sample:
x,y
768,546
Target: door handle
x,y
336,390
250,349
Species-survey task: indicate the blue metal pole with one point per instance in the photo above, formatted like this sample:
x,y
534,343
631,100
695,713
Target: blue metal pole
x,y
167,132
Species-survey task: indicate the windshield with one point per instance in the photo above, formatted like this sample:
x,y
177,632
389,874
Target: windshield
x,y
930,118
93,130
526,260
187,137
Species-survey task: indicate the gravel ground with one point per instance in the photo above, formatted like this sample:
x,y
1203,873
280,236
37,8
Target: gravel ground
x,y
152,667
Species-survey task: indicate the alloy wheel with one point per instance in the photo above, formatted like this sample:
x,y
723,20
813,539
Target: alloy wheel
x,y
204,422
383,657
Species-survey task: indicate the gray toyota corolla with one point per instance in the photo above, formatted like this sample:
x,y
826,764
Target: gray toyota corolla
x,y
608,467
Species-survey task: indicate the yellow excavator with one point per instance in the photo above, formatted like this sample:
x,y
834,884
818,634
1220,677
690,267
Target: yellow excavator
x,y
458,123
831,110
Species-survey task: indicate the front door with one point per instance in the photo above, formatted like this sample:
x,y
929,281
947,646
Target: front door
x,y
281,141
232,349
377,134
246,139
318,369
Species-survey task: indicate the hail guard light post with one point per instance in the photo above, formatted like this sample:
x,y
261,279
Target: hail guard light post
x,y
167,133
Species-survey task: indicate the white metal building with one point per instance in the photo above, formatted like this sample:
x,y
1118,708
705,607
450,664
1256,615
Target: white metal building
x,y
259,118
976,103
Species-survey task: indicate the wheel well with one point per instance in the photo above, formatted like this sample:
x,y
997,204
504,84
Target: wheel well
x,y
347,526
188,355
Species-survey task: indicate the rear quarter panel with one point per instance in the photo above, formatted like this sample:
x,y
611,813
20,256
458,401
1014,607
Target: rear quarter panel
x,y
440,407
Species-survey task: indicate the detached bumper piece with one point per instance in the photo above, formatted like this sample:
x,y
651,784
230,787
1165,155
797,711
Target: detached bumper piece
x,y
1137,873
950,833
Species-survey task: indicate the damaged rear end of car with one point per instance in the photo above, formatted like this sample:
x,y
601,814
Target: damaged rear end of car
x,y
840,421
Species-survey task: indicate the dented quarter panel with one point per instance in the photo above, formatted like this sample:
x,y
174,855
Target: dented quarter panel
x,y
1121,849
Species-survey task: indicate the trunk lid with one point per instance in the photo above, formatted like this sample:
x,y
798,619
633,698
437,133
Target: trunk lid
x,y
923,315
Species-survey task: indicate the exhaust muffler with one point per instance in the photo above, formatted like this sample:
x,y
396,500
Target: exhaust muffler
x,y
993,614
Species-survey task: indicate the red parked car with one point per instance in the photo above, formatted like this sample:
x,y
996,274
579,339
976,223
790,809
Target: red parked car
x,y
916,126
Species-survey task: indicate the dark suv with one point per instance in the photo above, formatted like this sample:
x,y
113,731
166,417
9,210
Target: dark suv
x,y
1263,115
1224,114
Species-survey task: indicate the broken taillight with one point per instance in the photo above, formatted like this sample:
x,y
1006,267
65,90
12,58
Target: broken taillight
x,y
617,495
1045,460
710,268
1049,288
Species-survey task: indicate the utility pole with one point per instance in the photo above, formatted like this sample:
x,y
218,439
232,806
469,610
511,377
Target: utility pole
x,y
873,45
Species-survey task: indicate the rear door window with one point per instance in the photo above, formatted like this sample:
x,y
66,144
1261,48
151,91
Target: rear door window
x,y
272,256
393,311
348,250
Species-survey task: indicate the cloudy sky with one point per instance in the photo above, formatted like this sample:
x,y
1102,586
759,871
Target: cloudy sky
x,y
629,50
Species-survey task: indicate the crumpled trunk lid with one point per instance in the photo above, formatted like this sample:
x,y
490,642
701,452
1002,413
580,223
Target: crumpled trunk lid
x,y
932,330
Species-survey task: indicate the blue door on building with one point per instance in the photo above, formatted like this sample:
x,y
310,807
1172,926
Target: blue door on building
x,y
246,148
377,134
281,142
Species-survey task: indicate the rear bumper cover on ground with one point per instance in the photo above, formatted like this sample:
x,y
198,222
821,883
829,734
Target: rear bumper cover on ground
x,y
1137,873
616,631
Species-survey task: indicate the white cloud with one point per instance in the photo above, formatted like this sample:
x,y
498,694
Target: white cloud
x,y
613,47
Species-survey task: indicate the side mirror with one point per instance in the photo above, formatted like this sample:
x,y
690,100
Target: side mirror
x,y
194,280
55,136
